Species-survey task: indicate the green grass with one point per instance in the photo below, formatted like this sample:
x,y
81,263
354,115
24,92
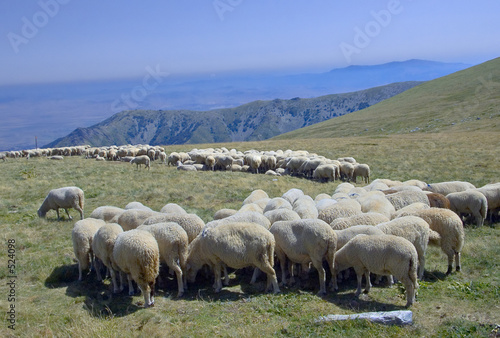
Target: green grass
x,y
49,300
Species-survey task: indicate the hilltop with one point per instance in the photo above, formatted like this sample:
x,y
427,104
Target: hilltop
x,y
468,100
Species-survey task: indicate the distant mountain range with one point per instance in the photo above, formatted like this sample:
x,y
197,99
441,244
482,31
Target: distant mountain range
x,y
255,121
50,111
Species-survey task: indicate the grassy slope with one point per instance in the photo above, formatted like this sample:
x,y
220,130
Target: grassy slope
x,y
467,100
51,302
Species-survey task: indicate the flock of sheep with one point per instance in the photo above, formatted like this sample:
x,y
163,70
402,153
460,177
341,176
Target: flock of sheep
x,y
382,228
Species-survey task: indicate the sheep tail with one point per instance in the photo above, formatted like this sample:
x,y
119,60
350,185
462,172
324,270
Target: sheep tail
x,y
484,210
434,238
412,272
81,200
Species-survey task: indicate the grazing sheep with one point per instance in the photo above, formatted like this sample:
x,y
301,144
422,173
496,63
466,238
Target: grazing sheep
x,y
362,170
414,229
132,218
346,171
245,217
382,255
344,188
325,172
344,208
143,159
106,213
370,218
375,201
102,246
191,223
292,195
82,235
438,200
409,210
236,245
67,197
224,213
277,203
56,157
136,253
255,196
137,205
492,194
305,207
446,188
172,242
451,233
281,215
469,202
345,235
304,241
406,197
172,208
251,207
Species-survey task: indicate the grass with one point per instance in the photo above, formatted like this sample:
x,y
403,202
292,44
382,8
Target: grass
x,y
49,300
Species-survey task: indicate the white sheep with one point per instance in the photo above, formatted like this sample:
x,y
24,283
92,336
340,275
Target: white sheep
x,y
446,188
346,171
469,202
143,159
137,205
255,195
277,203
406,197
345,235
414,229
325,172
67,197
370,218
375,201
191,223
132,218
383,255
451,233
492,194
136,253
223,213
82,235
106,213
304,241
245,217
343,208
236,245
102,246
362,170
173,244
281,215
344,188
173,208
305,207
409,210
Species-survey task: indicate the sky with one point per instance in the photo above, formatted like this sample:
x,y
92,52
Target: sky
x,y
46,41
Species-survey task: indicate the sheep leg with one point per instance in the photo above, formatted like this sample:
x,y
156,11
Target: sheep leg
x,y
256,273
217,282
457,261
67,213
410,291
226,276
113,279
57,212
131,290
282,259
79,271
267,268
367,281
98,269
318,264
121,281
178,272
359,277
421,266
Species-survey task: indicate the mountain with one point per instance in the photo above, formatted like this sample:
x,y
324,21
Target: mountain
x,y
467,100
258,120
52,110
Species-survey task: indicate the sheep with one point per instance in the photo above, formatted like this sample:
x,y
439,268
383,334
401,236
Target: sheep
x,y
492,194
321,196
173,243
102,246
304,241
325,203
375,201
143,159
136,253
255,196
438,200
414,229
446,188
344,187
106,213
406,197
277,203
67,197
451,233
191,223
56,157
344,208
379,254
469,202
132,218
173,158
362,170
3,157
245,217
236,245
172,208
346,171
251,207
305,207
137,205
281,215
292,194
224,213
370,218
345,235
82,235
409,210
325,172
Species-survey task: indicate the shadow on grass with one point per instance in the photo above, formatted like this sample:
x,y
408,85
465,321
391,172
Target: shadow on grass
x,y
99,301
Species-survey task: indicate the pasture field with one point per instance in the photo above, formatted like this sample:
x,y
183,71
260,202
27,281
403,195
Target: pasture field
x,y
49,301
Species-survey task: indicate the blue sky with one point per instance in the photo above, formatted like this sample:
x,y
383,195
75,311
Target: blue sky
x,y
75,40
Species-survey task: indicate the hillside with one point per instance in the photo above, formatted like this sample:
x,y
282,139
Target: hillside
x,y
468,100
258,120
